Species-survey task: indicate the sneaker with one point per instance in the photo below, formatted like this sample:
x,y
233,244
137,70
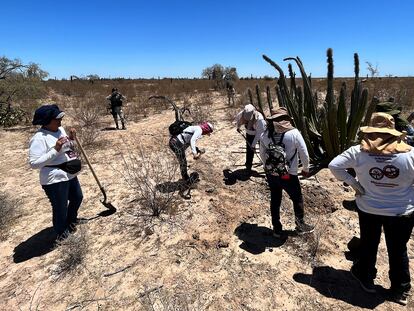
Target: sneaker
x,y
366,285
72,228
400,297
303,228
63,236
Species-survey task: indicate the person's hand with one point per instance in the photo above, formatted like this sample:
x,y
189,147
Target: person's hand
x,y
60,142
359,190
305,174
196,156
72,133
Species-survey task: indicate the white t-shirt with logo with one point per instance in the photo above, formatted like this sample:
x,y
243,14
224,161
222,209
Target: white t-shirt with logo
x,y
387,180
42,153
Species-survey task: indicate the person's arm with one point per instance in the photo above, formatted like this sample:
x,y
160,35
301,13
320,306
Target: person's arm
x,y
260,128
39,156
303,152
239,120
196,135
338,168
262,148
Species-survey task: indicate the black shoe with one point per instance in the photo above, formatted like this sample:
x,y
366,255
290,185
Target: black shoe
x,y
72,228
302,228
400,297
63,236
366,285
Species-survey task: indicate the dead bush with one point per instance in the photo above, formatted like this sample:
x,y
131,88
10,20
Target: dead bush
x,y
7,213
72,252
87,116
146,171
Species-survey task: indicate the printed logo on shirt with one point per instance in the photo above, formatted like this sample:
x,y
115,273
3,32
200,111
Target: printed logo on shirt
x,y
389,171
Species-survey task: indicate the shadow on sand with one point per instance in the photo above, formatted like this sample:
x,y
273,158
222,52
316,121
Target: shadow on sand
x,y
340,285
37,245
183,188
109,128
255,239
231,177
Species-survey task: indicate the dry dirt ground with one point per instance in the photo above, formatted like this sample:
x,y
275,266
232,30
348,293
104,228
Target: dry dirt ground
x,y
212,253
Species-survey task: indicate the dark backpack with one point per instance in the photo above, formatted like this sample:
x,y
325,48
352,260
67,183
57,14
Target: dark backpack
x,y
178,127
116,99
276,163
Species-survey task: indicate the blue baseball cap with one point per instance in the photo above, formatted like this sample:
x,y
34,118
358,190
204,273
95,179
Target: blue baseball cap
x,y
46,113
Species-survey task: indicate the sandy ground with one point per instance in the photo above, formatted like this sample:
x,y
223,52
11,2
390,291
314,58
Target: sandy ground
x,y
212,253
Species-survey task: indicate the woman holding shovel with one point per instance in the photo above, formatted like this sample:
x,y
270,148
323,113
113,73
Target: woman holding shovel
x,y
52,151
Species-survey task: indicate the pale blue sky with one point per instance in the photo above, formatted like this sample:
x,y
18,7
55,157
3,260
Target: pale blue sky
x,y
180,38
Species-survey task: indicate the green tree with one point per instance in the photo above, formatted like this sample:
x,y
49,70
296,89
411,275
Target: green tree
x,y
19,83
219,74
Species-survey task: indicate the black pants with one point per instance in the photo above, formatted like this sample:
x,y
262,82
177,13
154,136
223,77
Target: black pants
x,y
179,150
292,187
249,151
397,232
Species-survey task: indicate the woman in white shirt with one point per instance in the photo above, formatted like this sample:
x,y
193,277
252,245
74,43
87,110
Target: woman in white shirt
x,y
179,143
384,166
52,151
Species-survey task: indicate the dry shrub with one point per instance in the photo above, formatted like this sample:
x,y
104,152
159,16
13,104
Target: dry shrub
x,y
72,252
8,213
200,114
87,115
149,172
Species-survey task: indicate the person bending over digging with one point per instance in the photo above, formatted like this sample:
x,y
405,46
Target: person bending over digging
x,y
179,143
116,100
280,146
384,166
255,125
52,151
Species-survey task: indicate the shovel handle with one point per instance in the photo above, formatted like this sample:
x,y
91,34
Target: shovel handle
x,y
89,164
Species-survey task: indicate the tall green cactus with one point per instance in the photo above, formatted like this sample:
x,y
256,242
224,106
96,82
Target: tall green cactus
x,y
327,128
269,98
259,99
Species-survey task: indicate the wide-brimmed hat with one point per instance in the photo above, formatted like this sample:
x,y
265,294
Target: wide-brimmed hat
x,y
381,122
279,113
388,107
46,113
248,112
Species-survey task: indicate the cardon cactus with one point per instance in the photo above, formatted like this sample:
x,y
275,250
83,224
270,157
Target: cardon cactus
x,y
327,128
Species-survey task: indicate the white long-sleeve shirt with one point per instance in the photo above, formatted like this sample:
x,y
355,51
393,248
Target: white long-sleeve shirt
x,y
387,180
42,152
256,128
189,137
293,142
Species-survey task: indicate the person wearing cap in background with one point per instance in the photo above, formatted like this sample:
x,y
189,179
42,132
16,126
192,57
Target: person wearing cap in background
x,y
116,99
384,166
401,124
255,125
179,143
281,130
52,151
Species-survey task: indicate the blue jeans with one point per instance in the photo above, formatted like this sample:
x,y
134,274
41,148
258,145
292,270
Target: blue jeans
x,y
397,230
59,194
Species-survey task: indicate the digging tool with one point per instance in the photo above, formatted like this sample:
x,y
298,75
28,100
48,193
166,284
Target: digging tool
x,y
245,138
108,205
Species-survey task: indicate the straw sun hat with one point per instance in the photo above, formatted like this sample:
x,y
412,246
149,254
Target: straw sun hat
x,y
381,122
